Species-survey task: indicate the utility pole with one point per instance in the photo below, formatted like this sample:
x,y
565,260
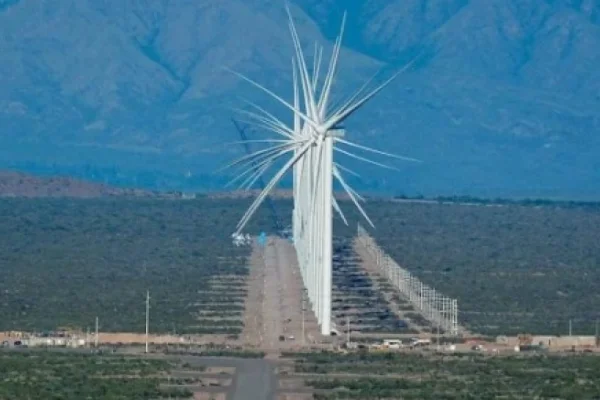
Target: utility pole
x,y
347,331
597,335
147,316
570,328
303,336
96,335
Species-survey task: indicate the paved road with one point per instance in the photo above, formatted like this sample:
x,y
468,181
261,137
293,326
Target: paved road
x,y
254,380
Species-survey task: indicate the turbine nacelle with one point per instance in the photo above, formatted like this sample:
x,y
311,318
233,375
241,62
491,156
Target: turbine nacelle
x,y
336,132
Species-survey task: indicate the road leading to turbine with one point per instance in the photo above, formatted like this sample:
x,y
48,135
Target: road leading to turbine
x,y
274,302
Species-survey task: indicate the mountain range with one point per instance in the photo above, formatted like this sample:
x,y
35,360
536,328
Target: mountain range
x,y
502,100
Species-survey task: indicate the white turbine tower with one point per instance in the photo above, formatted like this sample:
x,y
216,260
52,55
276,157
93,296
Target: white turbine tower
x,y
311,141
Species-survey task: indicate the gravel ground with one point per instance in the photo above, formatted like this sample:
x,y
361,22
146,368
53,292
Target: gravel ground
x,y
274,302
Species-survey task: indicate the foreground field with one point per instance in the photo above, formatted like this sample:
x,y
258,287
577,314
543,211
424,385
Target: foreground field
x,y
183,374
64,262
43,375
514,269
430,376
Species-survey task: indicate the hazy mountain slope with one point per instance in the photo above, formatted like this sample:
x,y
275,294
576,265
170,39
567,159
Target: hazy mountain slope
x,y
129,74
504,98
506,93
551,44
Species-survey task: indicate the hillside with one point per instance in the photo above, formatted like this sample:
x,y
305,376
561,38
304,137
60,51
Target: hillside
x,y
16,184
504,101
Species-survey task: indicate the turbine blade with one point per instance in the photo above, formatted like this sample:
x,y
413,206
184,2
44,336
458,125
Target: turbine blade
x,y
358,146
302,115
251,155
337,208
256,175
356,94
364,159
268,115
307,106
315,58
269,122
272,153
242,175
317,69
343,114
255,123
239,176
324,100
253,164
304,76
255,117
348,170
315,164
261,197
258,201
251,180
256,141
264,166
297,123
350,191
235,179
356,194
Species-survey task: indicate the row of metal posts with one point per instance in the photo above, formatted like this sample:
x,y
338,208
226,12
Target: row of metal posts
x,y
438,309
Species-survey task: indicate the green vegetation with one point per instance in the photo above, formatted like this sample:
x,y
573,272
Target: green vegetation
x,y
593,205
211,351
69,376
64,262
514,269
457,376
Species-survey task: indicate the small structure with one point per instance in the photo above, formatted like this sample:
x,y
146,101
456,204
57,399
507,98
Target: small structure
x,y
51,339
417,342
548,341
394,344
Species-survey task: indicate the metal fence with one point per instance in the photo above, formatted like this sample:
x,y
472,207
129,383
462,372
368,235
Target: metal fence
x,y
440,310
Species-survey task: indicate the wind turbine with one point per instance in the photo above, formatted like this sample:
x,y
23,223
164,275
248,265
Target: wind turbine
x,y
310,143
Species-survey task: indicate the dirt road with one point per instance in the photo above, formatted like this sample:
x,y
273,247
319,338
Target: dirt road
x,y
274,303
